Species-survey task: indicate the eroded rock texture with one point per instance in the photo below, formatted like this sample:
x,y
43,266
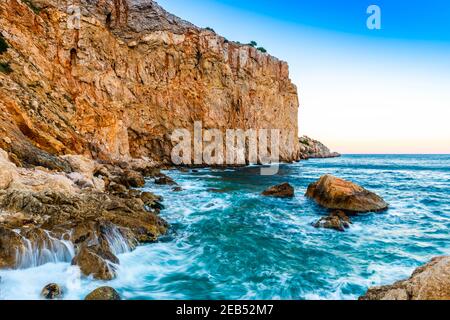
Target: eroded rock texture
x,y
120,84
86,217
428,282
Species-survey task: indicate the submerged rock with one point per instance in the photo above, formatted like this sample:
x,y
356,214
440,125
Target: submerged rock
x,y
177,189
337,220
335,193
284,190
52,291
103,293
428,282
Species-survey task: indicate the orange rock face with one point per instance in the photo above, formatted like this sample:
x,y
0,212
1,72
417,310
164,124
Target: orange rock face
x,y
120,84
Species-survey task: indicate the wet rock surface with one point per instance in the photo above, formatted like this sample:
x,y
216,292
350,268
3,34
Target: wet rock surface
x,y
165,180
428,282
338,194
86,217
96,261
337,220
103,293
52,291
284,190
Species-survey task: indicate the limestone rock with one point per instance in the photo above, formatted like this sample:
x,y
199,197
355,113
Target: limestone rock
x,y
7,170
335,193
284,190
81,164
90,92
152,200
428,282
310,148
165,180
97,262
103,293
10,242
134,179
52,291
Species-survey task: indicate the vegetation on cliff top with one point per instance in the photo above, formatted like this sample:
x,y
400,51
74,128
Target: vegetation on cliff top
x,y
254,44
262,49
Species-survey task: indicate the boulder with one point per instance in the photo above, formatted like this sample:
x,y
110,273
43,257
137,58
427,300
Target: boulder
x,y
96,261
81,164
165,180
151,200
10,244
133,179
337,220
338,194
103,293
52,291
284,190
428,282
177,189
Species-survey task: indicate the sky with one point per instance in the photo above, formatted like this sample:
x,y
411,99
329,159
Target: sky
x,y
360,90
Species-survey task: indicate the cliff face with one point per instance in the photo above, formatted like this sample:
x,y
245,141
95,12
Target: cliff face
x,y
120,84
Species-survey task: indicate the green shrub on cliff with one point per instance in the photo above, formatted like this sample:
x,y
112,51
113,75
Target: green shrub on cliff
x,y
3,45
253,44
32,6
210,29
5,68
262,49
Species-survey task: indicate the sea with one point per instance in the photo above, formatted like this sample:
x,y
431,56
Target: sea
x,y
227,241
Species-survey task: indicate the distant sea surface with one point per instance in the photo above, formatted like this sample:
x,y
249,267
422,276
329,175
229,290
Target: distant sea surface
x,y
237,244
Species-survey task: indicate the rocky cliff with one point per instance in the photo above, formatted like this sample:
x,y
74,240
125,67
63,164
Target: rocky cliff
x,y
114,84
310,149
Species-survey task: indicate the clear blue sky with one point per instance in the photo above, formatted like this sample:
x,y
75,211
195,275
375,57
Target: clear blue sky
x,y
361,90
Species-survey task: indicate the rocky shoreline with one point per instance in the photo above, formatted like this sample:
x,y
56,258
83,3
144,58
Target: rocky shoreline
x,y
312,149
86,217
428,282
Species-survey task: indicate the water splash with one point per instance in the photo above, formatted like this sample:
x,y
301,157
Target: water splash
x,y
48,250
117,242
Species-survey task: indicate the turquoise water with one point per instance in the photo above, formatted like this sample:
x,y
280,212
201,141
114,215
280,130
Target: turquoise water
x,y
237,244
